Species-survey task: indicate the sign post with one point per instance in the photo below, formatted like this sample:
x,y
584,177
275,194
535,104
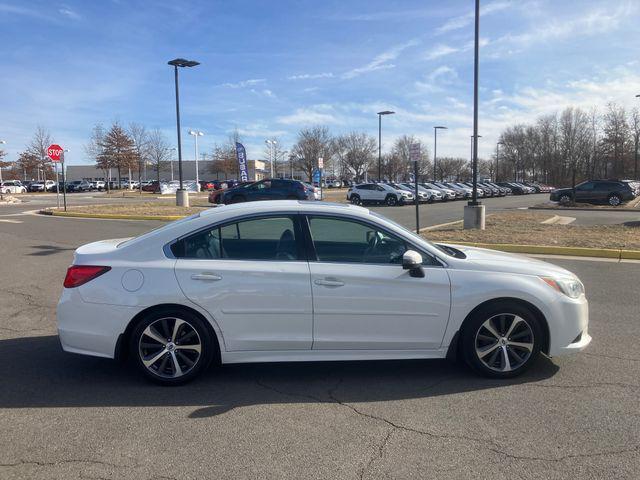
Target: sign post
x,y
320,167
56,154
414,153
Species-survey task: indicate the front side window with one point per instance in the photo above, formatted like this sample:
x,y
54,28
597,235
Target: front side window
x,y
268,238
349,241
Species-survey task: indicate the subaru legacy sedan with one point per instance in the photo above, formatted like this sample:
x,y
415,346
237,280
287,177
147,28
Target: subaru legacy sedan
x,y
301,281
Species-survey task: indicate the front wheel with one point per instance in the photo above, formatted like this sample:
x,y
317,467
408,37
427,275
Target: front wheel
x,y
391,201
501,340
564,199
355,200
615,200
171,347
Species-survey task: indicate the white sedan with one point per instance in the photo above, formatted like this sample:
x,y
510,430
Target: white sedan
x,y
301,281
12,186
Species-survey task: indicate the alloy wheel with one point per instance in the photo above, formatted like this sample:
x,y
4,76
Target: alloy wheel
x,y
169,347
504,342
614,200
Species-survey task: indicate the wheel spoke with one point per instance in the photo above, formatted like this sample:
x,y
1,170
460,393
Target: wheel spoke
x,y
516,321
150,361
524,333
526,346
505,358
517,355
163,364
195,348
190,363
151,333
177,371
486,351
176,327
487,325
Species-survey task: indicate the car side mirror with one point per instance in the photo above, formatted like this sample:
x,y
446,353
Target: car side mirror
x,y
412,261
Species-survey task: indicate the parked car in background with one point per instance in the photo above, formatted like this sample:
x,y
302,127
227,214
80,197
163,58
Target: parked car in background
x,y
206,185
152,186
459,194
422,197
334,184
613,192
79,186
98,185
515,189
378,193
49,186
314,190
268,189
216,195
12,186
447,193
425,195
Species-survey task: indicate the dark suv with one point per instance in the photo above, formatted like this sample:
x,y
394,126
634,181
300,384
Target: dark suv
x,y
268,189
613,192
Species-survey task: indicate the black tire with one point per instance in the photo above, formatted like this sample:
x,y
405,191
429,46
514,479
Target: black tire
x,y
564,199
614,200
208,346
355,199
430,200
473,333
391,200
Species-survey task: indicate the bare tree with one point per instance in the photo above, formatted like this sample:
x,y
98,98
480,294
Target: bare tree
x,y
635,129
118,151
574,130
159,151
615,142
38,149
356,151
398,164
312,143
140,137
93,149
224,158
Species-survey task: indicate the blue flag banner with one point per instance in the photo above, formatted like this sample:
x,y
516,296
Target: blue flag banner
x,y
241,153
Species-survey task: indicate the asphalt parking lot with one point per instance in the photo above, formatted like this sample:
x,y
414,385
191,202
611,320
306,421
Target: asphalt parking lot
x,y
68,416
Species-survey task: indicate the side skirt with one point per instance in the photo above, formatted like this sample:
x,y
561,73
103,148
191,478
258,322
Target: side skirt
x,y
329,355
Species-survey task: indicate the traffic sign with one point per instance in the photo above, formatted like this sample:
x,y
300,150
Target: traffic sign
x,y
414,152
321,163
54,152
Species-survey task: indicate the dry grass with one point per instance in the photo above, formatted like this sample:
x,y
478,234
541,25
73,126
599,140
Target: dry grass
x,y
524,228
157,208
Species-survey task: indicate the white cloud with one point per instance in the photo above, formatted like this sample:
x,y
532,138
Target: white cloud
x,y
69,12
310,76
462,21
380,62
245,83
440,51
317,114
266,92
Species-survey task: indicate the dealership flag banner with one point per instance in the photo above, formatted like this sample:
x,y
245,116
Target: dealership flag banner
x,y
241,153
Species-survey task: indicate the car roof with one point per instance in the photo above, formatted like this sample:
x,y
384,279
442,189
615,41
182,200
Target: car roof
x,y
281,205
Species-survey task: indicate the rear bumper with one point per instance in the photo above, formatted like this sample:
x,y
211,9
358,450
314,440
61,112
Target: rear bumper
x,y
90,328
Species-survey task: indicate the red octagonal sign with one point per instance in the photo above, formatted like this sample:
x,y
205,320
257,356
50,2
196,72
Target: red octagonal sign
x,y
54,152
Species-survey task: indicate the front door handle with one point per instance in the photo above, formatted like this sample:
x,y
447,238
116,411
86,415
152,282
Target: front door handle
x,y
329,282
207,277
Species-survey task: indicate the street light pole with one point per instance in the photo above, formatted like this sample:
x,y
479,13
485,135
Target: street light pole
x,y
435,148
2,142
380,114
635,165
497,153
272,144
182,197
471,156
196,134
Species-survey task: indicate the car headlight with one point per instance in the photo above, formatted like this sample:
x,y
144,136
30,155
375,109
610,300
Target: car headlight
x,y
571,287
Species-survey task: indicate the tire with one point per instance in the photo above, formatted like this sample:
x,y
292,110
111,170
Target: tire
x,y
179,364
564,199
501,358
430,200
355,200
391,200
614,200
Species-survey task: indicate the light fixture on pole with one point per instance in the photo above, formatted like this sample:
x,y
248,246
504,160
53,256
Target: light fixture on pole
x,y
272,144
435,148
196,134
182,197
474,216
380,114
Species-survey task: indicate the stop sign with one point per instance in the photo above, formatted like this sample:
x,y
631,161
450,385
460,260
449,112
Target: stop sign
x,y
54,152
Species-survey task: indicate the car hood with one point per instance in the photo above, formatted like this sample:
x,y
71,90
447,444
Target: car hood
x,y
495,261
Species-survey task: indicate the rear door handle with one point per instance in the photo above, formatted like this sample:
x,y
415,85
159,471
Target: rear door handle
x,y
207,277
329,282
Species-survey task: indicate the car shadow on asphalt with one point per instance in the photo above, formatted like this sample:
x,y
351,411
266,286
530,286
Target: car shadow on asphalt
x,y
45,250
36,373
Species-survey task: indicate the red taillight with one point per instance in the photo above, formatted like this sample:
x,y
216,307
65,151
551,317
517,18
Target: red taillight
x,y
80,274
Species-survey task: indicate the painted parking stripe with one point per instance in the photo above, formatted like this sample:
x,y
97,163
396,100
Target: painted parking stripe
x,y
10,221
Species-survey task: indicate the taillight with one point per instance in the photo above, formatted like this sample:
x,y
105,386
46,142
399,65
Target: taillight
x,y
80,274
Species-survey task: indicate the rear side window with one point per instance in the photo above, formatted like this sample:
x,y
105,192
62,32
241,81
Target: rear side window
x,y
268,238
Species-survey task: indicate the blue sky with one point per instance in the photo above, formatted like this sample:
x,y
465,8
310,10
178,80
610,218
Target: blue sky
x,y
269,68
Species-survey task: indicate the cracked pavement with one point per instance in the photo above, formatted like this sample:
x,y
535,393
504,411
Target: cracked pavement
x,y
74,417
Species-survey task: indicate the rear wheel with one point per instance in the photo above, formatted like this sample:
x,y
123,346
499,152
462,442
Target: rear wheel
x,y
501,340
355,200
565,198
171,347
391,200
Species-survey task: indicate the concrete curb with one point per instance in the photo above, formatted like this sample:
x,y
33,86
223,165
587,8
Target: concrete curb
x,y
615,253
107,216
569,209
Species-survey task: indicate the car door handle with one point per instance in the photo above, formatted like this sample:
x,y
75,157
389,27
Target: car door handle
x,y
329,282
207,277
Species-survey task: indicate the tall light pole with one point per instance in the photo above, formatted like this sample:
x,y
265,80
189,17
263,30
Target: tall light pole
x,y
474,211
435,148
272,144
497,153
380,114
182,197
471,157
196,134
635,164
2,142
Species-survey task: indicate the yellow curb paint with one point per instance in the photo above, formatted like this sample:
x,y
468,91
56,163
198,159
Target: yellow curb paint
x,y
630,254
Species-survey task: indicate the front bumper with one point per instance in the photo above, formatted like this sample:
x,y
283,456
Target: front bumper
x,y
569,329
